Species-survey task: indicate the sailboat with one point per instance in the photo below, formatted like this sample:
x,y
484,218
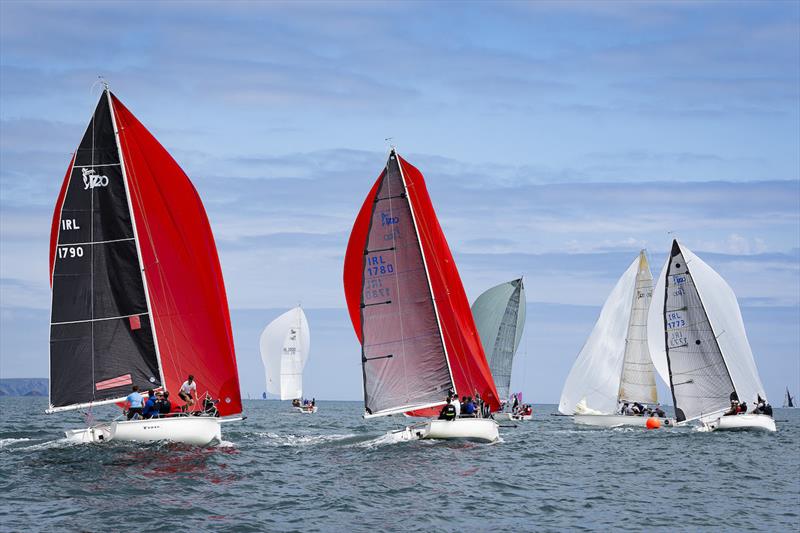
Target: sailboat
x,y
410,312
699,345
499,315
137,292
788,401
614,366
285,345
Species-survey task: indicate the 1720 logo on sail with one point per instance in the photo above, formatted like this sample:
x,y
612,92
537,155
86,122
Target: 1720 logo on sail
x,y
91,179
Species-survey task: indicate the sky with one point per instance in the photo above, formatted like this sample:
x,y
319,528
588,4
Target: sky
x,y
557,139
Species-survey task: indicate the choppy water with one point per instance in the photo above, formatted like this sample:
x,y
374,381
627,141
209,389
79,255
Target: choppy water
x,y
333,471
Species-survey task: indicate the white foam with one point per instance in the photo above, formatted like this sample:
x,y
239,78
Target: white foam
x,y
4,443
302,440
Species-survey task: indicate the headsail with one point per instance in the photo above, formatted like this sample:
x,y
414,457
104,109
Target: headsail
x,y
407,303
613,360
182,293
285,345
499,315
638,380
697,338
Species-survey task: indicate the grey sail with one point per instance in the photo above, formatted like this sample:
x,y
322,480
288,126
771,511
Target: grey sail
x,y
403,357
499,315
700,380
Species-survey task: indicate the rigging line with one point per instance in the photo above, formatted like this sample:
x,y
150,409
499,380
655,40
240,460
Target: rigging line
x,y
91,253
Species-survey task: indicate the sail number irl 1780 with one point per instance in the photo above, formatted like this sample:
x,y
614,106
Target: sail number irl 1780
x,y
377,266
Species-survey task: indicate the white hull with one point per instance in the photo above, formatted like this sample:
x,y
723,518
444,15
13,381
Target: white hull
x,y
198,430
511,417
307,410
614,421
475,429
751,421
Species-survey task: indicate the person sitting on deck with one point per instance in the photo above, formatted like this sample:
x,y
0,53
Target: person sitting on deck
x,y
624,409
150,410
210,406
515,406
456,404
762,407
468,409
742,408
135,402
527,410
659,412
734,410
313,402
163,403
448,412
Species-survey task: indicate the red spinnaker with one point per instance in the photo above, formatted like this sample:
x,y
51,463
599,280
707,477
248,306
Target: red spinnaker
x,y
184,277
465,353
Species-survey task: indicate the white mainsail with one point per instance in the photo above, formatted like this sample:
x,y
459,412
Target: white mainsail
x,y
638,380
613,363
717,301
285,345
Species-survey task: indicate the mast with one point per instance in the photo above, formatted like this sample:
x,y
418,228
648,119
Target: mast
x,y
134,222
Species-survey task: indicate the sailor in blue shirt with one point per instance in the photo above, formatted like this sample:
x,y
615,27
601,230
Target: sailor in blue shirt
x,y
150,409
135,402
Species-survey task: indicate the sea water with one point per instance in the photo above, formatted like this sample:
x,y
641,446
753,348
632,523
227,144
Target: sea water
x,y
280,470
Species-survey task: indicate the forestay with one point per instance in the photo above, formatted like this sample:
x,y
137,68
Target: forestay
x,y
500,318
285,344
697,338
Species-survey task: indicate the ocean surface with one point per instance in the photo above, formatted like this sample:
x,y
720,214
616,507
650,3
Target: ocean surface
x,y
333,471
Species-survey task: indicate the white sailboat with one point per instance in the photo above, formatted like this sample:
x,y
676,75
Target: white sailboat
x,y
614,366
285,345
700,347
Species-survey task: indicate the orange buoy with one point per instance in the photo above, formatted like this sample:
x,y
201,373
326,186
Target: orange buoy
x,y
653,423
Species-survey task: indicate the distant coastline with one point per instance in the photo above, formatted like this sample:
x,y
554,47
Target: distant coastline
x,y
24,386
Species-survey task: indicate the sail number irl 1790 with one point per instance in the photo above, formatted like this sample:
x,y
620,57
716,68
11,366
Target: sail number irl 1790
x,y
65,252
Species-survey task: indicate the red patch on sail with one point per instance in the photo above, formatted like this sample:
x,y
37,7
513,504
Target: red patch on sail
x,y
114,382
136,323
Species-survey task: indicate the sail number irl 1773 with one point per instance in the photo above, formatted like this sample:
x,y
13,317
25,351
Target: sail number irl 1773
x,y
70,252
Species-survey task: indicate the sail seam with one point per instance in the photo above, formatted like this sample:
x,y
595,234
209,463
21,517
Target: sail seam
x,y
95,242
97,319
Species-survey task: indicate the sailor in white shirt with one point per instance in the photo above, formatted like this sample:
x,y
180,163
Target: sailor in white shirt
x,y
188,392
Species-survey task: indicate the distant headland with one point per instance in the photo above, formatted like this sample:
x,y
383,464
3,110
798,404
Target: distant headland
x,y
23,386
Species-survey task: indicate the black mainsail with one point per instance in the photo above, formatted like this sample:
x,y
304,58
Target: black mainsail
x,y
101,337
